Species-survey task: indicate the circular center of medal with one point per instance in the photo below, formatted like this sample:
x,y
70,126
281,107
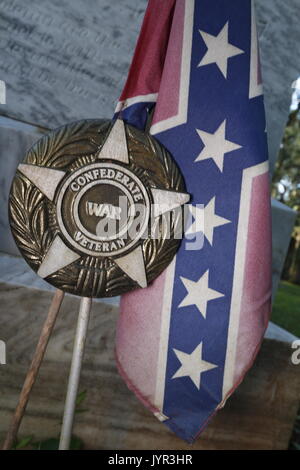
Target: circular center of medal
x,y
103,209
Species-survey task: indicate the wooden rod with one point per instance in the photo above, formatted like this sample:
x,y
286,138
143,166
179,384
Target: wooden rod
x,y
33,369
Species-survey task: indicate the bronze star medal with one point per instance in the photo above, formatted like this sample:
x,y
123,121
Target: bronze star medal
x,y
96,208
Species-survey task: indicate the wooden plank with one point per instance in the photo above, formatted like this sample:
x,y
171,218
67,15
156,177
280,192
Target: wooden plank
x,y
259,415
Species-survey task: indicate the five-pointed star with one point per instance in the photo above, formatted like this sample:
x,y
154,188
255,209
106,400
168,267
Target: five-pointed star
x,y
215,145
199,293
219,50
192,365
205,220
47,181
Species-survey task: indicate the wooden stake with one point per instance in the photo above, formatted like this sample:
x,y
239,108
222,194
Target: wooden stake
x,y
33,369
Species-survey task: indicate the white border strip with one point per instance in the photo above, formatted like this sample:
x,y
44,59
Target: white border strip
x,y
239,271
151,97
2,92
255,89
181,117
164,335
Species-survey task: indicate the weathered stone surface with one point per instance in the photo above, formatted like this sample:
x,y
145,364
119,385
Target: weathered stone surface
x,y
14,142
279,334
15,271
279,35
68,60
283,220
65,60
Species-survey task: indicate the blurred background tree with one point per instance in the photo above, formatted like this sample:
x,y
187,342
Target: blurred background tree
x,y
286,189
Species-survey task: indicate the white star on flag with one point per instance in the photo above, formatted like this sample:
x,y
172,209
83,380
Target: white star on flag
x,y
199,293
192,365
205,220
219,50
215,145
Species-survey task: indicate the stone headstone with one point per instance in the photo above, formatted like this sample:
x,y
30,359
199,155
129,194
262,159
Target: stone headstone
x,y
279,40
68,60
15,140
283,220
277,333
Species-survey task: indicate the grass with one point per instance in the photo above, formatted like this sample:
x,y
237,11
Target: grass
x,y
286,308
286,313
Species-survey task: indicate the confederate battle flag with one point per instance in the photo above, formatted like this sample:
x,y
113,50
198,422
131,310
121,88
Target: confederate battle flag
x,y
185,342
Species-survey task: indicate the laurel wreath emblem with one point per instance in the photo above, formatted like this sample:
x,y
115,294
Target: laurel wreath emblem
x,y
33,216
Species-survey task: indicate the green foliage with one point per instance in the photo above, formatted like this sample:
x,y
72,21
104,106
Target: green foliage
x,y
285,312
80,399
286,179
23,443
295,440
53,443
